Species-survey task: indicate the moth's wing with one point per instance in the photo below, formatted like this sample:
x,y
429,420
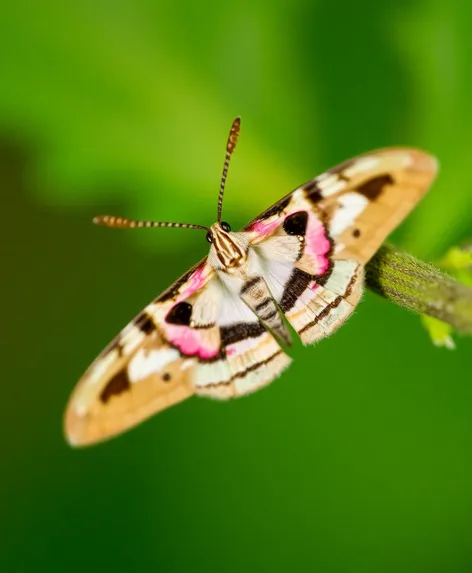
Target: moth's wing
x,y
198,337
315,241
315,310
137,375
360,201
316,292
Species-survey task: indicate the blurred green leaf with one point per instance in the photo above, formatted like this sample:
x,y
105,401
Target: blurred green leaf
x,y
458,263
439,331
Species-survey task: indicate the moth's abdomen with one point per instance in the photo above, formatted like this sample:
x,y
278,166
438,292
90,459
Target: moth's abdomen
x,y
256,294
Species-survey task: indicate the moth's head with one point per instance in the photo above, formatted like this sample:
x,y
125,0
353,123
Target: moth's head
x,y
218,230
228,250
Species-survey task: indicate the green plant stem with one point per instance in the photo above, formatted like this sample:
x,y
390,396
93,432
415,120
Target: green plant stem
x,y
418,286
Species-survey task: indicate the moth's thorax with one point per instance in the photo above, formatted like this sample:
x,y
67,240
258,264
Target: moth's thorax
x,y
228,250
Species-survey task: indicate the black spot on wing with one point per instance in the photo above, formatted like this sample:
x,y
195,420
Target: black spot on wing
x,y
310,186
312,191
372,188
296,223
145,323
180,314
240,331
117,385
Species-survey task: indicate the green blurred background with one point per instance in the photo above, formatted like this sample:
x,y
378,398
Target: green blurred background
x,y
359,458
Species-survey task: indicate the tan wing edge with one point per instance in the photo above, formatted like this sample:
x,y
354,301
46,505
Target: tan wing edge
x,y
412,173
107,401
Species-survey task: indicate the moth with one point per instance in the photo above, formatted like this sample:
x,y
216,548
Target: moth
x,y
220,330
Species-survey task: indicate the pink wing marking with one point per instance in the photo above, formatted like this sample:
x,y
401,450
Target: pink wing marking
x,y
195,283
231,350
317,245
190,341
263,228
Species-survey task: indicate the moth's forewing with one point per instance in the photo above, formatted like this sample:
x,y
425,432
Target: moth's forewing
x,y
138,374
361,201
122,389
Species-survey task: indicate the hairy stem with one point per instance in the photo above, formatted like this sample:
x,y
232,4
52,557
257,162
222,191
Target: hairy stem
x,y
419,286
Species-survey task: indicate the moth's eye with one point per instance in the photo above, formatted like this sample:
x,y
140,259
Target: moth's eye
x,y
225,227
210,237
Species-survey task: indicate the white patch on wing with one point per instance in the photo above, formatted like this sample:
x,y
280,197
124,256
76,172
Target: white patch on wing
x,y
146,362
232,309
131,338
362,165
341,276
245,353
243,346
186,364
281,247
102,366
158,311
81,409
276,259
262,375
277,274
207,304
298,195
350,206
323,177
331,185
208,373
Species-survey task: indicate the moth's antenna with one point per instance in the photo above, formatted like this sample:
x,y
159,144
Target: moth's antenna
x,y
230,146
122,223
